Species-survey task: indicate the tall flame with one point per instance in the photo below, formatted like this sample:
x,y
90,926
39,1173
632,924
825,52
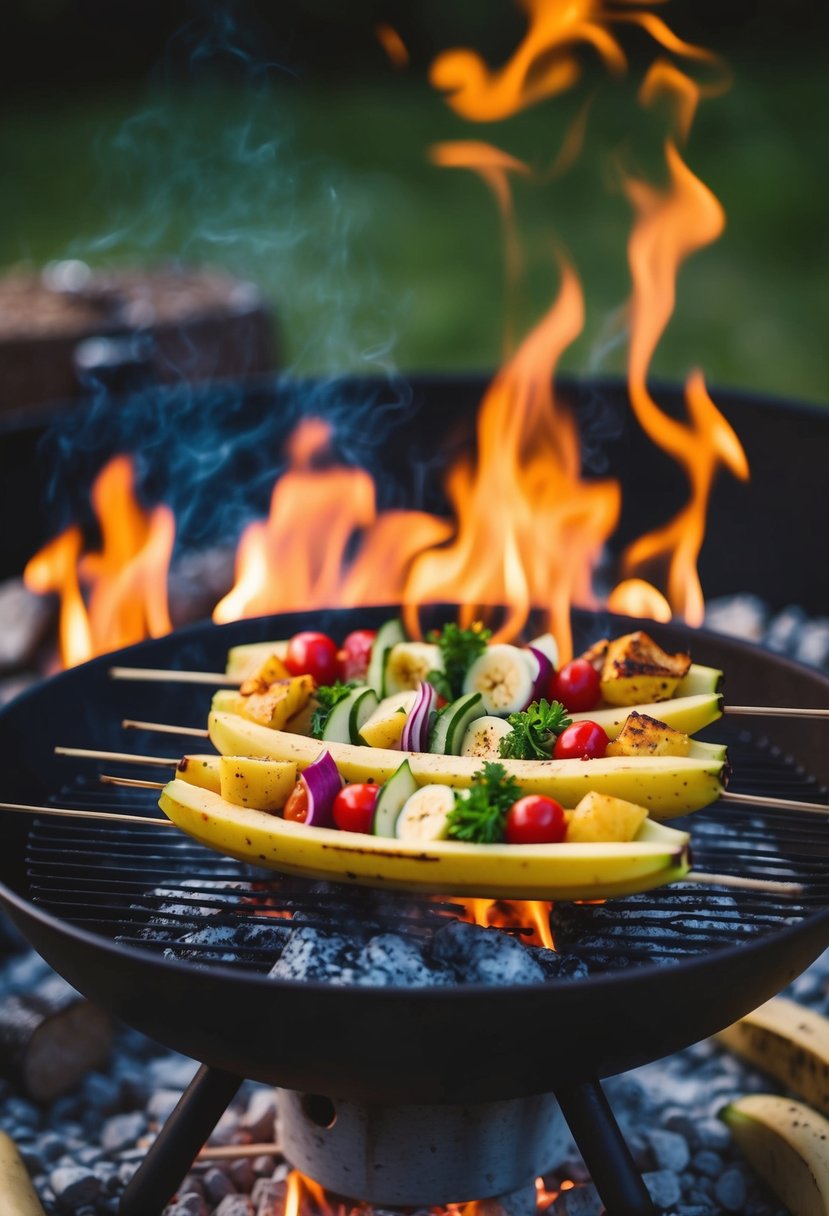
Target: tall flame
x,y
126,579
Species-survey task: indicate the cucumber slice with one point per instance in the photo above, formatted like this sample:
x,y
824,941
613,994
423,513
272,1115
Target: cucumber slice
x,y
347,716
392,798
698,679
388,635
452,723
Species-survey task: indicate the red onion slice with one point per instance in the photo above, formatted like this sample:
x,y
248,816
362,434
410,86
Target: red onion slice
x,y
541,679
323,782
415,737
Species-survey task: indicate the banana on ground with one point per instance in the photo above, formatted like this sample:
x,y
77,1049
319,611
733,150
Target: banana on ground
x,y
788,1145
667,786
789,1043
551,871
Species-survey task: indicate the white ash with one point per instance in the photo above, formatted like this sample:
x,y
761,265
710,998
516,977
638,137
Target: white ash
x,y
485,956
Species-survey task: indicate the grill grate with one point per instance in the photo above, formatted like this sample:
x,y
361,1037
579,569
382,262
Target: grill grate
x,y
149,887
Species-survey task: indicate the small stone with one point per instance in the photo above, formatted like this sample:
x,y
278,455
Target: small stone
x,y
578,1201
730,1190
32,1158
102,1095
235,1205
73,1186
264,1166
217,1185
670,1150
663,1187
188,1204
260,1116
712,1133
161,1105
88,1155
191,1184
172,1071
708,1163
268,1193
225,1130
242,1174
24,1114
122,1131
126,1170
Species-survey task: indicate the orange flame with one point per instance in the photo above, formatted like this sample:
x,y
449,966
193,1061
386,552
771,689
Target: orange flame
x,y
529,914
126,580
392,44
671,224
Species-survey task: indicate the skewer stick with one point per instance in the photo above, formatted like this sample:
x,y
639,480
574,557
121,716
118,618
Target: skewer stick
x,y
768,885
132,782
171,676
233,1152
65,812
89,753
778,804
162,728
779,712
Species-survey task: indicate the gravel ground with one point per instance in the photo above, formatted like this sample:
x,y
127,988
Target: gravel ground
x,y
82,1149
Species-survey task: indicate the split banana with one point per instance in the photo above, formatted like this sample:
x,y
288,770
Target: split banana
x,y
666,785
788,1042
659,855
788,1145
687,713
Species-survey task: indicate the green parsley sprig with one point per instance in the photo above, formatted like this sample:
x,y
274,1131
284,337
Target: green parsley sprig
x,y
327,696
459,648
534,731
479,816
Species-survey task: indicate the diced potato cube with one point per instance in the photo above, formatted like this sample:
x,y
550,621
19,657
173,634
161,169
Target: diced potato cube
x,y
200,770
246,660
264,785
599,818
272,670
642,735
280,702
636,671
385,726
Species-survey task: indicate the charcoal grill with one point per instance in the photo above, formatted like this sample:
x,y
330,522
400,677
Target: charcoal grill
x,y
88,897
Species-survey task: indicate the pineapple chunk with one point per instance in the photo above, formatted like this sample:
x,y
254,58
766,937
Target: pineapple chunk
x,y
636,670
385,726
274,706
264,785
600,817
596,654
642,735
200,770
272,670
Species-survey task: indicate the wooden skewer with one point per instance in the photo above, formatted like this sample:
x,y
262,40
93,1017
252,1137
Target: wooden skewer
x,y
162,728
175,677
232,1152
132,782
88,753
770,886
778,804
66,812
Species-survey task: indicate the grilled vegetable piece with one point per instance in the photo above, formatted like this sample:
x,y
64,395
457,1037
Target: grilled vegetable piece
x,y
451,724
252,781
635,669
600,817
408,665
384,726
643,735
483,736
551,871
348,715
274,707
245,661
425,815
388,635
200,770
790,1043
504,677
391,800
688,714
667,786
788,1145
271,670
596,654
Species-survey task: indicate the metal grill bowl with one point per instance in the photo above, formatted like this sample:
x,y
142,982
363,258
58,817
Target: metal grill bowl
x,y
85,896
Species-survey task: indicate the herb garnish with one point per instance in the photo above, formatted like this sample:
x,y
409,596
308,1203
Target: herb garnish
x,y
480,815
328,695
534,732
459,649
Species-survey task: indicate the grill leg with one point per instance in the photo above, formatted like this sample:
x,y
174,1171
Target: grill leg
x,y
603,1148
198,1111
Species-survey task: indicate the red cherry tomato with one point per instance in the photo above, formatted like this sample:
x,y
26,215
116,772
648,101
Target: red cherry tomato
x,y
535,819
581,741
296,807
313,654
576,685
353,808
356,653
